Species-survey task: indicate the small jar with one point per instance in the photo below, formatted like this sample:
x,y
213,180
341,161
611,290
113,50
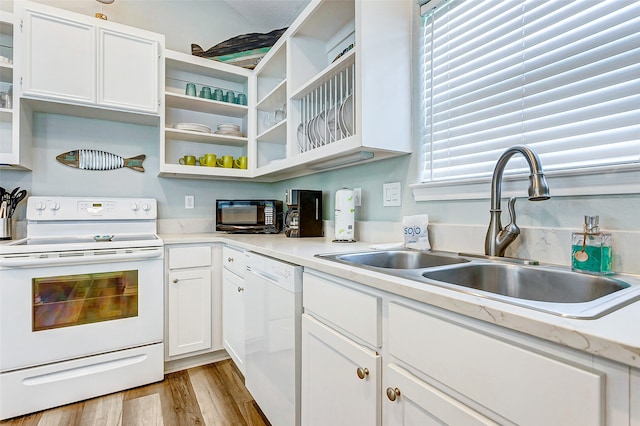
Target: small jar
x,y
591,249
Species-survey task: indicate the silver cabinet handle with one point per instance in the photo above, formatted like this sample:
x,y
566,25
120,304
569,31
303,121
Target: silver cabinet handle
x,y
175,281
240,289
230,259
393,393
362,373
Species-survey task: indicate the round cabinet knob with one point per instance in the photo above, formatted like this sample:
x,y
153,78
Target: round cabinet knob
x,y
230,259
175,281
240,289
134,207
362,373
146,207
393,393
54,206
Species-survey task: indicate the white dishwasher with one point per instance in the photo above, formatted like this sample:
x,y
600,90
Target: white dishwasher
x,y
273,309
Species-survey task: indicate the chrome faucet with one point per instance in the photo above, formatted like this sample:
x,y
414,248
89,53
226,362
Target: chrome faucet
x,y
499,238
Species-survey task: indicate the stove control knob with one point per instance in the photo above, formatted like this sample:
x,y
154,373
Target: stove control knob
x,y
134,207
40,205
54,206
146,207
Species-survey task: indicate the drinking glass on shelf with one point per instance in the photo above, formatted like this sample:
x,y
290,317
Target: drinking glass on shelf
x,y
218,95
241,99
269,120
279,115
205,92
230,97
190,90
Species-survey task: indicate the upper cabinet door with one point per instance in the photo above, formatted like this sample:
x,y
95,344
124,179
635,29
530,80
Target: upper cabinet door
x,y
75,59
59,58
127,71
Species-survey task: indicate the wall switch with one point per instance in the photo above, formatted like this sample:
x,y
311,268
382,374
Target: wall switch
x,y
391,194
189,201
357,197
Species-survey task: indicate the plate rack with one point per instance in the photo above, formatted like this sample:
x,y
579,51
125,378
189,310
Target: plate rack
x,y
327,112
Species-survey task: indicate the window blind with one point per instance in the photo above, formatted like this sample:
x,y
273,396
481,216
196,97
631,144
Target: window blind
x,y
560,76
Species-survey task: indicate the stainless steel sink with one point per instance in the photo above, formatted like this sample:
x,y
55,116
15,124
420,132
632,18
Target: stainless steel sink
x,y
396,259
549,289
530,283
554,290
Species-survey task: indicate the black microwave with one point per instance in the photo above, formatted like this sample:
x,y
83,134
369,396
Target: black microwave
x,y
249,216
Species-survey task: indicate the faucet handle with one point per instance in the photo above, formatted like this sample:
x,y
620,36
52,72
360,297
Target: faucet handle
x,y
512,228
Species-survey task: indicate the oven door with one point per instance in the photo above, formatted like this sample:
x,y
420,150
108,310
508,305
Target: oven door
x,y
61,311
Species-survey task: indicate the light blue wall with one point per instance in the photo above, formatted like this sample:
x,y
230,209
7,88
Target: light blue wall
x,y
55,134
617,212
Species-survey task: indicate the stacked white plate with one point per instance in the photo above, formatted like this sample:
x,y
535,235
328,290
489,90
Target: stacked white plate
x,y
327,127
194,127
229,129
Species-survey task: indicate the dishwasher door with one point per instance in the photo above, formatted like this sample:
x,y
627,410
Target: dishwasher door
x,y
273,309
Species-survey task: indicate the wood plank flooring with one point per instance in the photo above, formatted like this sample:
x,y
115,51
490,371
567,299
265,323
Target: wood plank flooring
x,y
211,395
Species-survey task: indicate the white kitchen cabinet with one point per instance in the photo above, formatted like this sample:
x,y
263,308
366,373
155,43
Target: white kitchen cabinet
x,y
444,368
410,401
77,59
635,397
15,151
271,94
180,108
192,301
128,70
332,300
345,61
351,53
510,381
340,379
233,323
341,364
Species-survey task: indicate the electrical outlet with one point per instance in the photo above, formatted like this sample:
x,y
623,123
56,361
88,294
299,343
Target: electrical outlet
x,y
391,194
189,201
357,197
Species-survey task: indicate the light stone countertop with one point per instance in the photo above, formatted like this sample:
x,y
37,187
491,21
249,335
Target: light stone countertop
x,y
614,336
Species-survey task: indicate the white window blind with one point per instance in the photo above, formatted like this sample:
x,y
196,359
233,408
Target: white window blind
x,y
560,76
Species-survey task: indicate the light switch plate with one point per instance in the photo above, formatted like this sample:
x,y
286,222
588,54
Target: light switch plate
x,y
391,194
189,201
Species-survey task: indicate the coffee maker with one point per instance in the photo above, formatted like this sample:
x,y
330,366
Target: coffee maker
x,y
304,216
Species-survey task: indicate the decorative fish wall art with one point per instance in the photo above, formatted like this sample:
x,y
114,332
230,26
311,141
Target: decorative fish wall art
x,y
92,159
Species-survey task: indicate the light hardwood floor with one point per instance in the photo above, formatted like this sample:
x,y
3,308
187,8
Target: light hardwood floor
x,y
210,395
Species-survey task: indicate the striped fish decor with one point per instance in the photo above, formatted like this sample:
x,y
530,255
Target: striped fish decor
x,y
92,159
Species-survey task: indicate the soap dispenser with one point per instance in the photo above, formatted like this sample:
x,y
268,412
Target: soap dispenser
x,y
591,249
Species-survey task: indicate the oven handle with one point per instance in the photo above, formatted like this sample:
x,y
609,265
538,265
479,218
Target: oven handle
x,y
69,260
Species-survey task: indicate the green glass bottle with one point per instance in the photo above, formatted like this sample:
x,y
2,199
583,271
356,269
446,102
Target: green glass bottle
x,y
591,249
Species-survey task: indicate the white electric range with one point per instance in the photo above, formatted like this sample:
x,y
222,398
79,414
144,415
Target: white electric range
x,y
81,302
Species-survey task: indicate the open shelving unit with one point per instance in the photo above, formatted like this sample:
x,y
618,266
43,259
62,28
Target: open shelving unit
x,y
181,69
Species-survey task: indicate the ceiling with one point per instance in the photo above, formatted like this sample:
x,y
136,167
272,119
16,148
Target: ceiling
x,y
272,14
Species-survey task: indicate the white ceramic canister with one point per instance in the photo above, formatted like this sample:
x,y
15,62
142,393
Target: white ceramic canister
x,y
344,215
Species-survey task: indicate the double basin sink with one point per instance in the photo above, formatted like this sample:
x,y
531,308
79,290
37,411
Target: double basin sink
x,y
548,289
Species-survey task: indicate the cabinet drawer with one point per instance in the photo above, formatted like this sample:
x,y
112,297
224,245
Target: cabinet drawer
x,y
520,384
234,260
189,257
354,311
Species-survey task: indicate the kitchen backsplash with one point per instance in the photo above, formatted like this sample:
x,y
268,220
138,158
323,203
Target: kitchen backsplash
x,y
546,245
